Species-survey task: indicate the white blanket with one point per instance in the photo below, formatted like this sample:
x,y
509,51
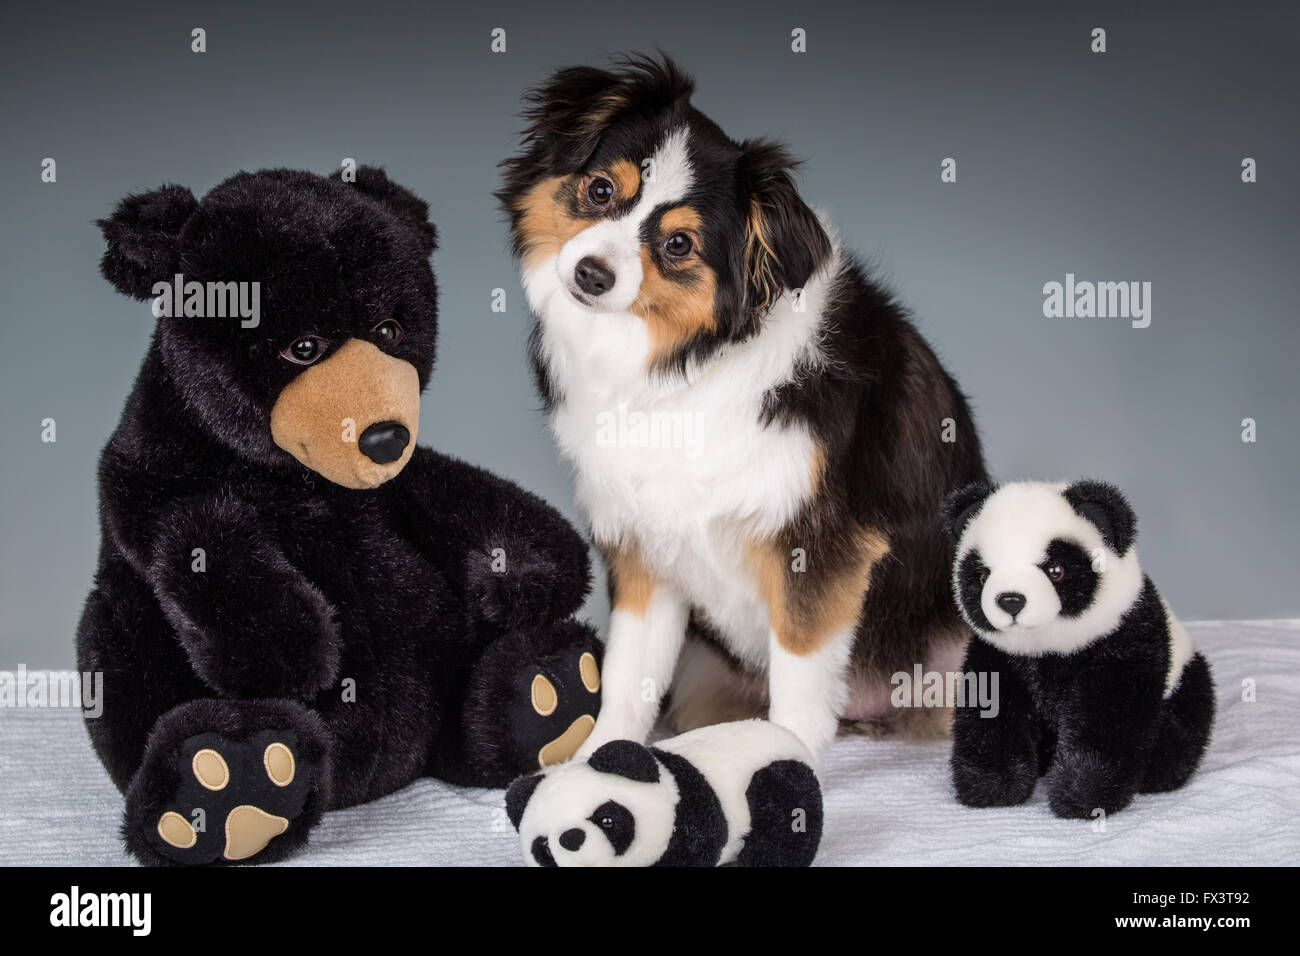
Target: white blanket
x,y
887,803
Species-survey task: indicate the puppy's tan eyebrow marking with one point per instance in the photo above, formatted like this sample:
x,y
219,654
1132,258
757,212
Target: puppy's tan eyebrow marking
x,y
680,219
626,176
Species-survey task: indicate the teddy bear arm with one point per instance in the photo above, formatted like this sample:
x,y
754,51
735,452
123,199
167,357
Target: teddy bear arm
x,y
1106,730
250,622
523,563
995,752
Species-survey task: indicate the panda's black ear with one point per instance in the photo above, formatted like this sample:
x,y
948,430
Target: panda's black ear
x,y
627,759
960,506
517,796
143,236
403,203
1106,507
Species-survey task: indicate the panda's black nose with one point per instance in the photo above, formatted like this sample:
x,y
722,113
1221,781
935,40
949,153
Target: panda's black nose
x,y
1013,602
383,442
571,840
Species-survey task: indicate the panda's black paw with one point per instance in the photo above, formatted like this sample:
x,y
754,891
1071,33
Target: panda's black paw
x,y
533,700
785,814
215,787
1081,785
980,786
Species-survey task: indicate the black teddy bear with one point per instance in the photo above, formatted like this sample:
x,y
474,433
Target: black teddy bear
x,y
297,608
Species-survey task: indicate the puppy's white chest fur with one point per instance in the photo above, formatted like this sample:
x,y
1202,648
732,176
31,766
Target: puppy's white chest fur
x,y
682,468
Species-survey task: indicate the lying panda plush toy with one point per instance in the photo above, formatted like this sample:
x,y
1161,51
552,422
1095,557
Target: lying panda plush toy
x,y
1099,686
743,793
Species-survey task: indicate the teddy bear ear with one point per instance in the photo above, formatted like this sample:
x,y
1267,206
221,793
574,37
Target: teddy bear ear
x,y
960,506
1109,511
403,203
517,796
143,236
627,759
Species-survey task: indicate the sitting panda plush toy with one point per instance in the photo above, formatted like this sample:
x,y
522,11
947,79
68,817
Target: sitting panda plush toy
x,y
1099,686
743,793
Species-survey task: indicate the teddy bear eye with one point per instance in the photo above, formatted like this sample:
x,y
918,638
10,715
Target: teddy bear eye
x,y
305,350
1056,573
984,575
389,332
606,822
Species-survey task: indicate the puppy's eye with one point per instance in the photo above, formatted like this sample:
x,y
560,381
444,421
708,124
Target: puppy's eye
x,y
305,350
1056,573
388,332
600,191
984,575
678,245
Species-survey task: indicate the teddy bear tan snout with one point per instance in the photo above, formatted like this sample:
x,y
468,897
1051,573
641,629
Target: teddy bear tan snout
x,y
352,417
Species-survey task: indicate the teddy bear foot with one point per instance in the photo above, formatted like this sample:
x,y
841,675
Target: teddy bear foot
x,y
225,797
1084,786
563,695
242,794
978,786
534,700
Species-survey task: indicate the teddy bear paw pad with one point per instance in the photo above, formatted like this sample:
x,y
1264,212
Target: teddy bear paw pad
x,y
561,706
234,797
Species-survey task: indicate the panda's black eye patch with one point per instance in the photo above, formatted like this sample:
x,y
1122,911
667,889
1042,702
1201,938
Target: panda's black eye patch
x,y
1069,568
617,823
971,575
542,853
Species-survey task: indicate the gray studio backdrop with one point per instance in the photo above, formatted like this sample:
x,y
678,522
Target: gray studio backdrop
x,y
1122,166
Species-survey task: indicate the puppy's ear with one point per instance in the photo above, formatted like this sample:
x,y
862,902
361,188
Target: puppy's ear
x,y
627,759
143,236
517,796
784,242
960,506
569,113
400,201
1106,507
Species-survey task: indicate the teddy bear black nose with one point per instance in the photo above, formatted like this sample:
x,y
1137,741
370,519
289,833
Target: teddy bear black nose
x,y
383,442
593,276
1013,602
572,839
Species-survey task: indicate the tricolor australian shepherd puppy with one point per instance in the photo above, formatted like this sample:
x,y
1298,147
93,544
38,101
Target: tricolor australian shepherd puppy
x,y
761,440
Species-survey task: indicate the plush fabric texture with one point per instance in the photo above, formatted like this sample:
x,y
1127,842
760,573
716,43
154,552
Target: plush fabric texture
x,y
742,792
701,830
241,588
774,839
1124,708
888,802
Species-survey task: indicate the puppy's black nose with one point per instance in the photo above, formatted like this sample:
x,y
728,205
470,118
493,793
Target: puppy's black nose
x,y
572,839
593,276
383,442
1013,602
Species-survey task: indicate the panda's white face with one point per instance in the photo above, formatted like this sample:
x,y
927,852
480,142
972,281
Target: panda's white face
x,y
578,816
1032,576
